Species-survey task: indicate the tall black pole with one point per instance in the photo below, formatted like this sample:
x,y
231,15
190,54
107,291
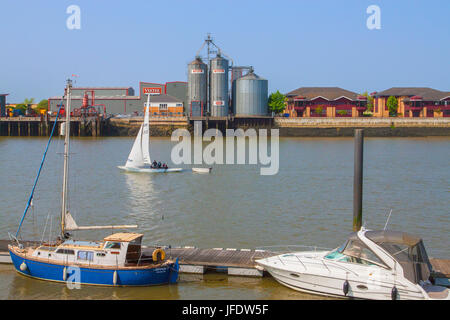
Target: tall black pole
x,y
358,179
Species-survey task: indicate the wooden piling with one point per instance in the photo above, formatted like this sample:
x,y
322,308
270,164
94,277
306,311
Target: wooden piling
x,y
358,179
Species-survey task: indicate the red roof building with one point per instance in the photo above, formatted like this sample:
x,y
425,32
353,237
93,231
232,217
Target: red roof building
x,y
325,102
413,102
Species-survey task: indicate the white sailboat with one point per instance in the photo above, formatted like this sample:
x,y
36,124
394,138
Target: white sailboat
x,y
139,159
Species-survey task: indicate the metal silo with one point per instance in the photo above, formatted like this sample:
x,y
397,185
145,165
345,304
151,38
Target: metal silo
x,y
197,87
219,87
236,73
251,95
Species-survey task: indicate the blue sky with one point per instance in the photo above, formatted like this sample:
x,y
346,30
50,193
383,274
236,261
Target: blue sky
x,y
291,43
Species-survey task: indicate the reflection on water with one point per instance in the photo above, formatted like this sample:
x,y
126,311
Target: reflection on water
x,y
142,194
309,202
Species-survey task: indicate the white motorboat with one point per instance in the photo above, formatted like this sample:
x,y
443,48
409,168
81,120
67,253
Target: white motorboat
x,y
139,158
201,170
369,265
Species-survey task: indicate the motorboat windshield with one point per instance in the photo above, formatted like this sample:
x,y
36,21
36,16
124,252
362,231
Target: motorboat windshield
x,y
355,251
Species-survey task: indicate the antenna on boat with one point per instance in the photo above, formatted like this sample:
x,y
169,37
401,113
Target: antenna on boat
x,y
387,220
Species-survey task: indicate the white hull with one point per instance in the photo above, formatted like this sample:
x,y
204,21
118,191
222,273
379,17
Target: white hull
x,y
333,286
201,170
149,170
359,269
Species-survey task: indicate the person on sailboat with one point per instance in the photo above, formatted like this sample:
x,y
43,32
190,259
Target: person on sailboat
x,y
165,166
159,164
154,164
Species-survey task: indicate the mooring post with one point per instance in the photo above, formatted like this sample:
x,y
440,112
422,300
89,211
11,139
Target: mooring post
x,y
358,179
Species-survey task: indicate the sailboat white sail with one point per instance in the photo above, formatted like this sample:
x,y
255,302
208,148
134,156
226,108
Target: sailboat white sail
x,y
139,158
139,155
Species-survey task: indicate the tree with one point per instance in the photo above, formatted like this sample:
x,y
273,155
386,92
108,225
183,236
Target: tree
x,y
392,104
277,102
42,105
319,110
28,102
369,101
21,106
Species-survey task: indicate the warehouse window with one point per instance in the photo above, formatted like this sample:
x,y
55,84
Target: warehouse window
x,y
163,106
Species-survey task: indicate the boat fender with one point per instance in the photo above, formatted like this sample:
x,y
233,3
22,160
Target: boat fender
x,y
345,287
115,277
23,266
64,274
394,293
158,255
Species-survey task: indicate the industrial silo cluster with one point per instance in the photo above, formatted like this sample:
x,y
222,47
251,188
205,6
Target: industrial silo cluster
x,y
217,88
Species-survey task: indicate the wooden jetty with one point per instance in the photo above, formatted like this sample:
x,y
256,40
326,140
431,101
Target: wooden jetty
x,y
240,262
42,126
236,262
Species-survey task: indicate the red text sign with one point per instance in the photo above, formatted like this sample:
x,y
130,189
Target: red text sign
x,y
154,90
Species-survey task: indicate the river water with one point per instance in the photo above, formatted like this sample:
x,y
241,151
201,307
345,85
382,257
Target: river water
x,y
309,202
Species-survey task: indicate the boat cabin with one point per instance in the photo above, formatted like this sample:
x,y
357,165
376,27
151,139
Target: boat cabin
x,y
408,250
405,249
119,249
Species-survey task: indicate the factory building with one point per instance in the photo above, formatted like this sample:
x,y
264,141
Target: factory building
x,y
324,102
413,102
165,105
122,100
3,104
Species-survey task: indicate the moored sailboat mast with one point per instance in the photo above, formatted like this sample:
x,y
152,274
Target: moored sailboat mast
x,y
66,156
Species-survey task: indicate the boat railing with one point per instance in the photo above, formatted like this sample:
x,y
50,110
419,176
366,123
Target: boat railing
x,y
142,259
13,238
280,250
286,248
24,243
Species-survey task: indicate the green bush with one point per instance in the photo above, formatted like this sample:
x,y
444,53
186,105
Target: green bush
x,y
392,104
277,102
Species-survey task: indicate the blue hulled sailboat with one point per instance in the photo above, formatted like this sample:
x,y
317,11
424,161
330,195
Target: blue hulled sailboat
x,y
116,260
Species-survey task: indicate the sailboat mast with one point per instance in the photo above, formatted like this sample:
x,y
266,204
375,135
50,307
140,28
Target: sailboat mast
x,y
66,156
